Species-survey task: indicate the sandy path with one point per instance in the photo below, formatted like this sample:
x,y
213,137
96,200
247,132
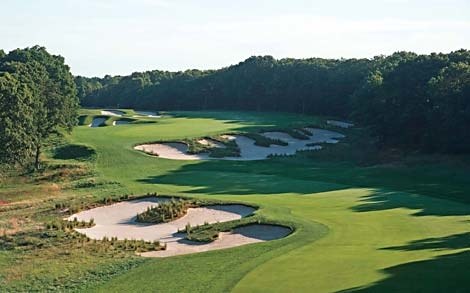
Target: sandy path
x,y
239,236
341,124
112,112
248,149
96,122
118,220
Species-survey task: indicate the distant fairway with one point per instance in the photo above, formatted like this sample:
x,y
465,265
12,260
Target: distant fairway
x,y
381,229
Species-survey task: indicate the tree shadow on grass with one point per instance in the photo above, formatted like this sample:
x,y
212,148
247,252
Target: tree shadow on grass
x,y
237,178
446,273
381,200
74,152
456,241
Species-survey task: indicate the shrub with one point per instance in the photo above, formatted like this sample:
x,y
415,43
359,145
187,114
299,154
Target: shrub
x,y
164,211
261,140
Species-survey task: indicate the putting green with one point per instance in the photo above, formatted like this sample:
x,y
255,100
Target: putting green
x,y
358,229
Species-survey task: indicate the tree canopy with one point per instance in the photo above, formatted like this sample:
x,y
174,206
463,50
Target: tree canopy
x,y
407,100
38,96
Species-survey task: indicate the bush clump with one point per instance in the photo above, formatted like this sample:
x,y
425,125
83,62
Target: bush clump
x,y
261,140
231,148
165,211
297,133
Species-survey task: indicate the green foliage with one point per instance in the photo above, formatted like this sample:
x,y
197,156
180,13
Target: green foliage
x,y
51,102
410,101
194,147
261,140
165,211
350,186
261,83
16,121
210,232
231,148
418,102
85,119
298,133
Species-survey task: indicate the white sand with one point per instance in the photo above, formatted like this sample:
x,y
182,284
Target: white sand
x,y
211,143
118,220
96,122
341,124
239,236
147,114
171,150
248,149
112,112
120,122
324,136
229,136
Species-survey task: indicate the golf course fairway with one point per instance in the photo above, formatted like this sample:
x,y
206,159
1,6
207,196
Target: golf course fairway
x,y
358,227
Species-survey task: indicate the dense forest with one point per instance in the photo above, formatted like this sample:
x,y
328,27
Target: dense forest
x,y
411,101
37,98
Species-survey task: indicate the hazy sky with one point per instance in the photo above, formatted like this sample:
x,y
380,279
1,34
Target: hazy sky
x,y
99,37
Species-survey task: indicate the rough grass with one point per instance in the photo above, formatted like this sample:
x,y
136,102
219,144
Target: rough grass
x,y
164,212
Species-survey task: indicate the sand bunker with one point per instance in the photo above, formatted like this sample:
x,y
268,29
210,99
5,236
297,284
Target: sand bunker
x,y
112,112
98,121
211,142
253,233
118,220
248,149
147,114
170,150
341,124
324,136
120,122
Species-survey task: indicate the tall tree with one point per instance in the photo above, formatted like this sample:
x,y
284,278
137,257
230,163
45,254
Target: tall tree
x,y
53,90
16,120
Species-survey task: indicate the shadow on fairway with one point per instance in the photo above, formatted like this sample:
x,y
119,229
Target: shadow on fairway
x,y
252,120
447,273
381,200
74,152
456,241
239,178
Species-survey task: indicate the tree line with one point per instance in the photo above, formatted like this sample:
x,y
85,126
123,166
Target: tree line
x,y
37,97
407,100
410,101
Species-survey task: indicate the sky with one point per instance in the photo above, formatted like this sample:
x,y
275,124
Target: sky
x,y
117,37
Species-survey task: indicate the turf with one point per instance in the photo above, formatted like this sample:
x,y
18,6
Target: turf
x,y
360,225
